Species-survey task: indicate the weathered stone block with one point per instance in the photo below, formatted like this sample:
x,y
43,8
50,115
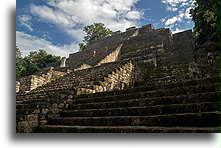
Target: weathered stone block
x,y
33,123
69,101
52,116
43,122
32,117
70,96
55,110
24,127
61,105
44,110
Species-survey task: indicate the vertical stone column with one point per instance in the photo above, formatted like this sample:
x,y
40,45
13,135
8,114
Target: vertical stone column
x,y
17,86
63,62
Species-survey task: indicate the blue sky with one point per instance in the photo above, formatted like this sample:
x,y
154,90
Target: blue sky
x,y
57,25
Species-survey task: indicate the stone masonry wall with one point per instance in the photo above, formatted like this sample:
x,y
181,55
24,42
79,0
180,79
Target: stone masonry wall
x,y
31,82
181,49
117,80
166,36
33,113
183,46
111,57
17,86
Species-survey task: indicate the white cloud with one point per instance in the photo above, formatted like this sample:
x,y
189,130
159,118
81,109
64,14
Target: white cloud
x,y
172,20
24,20
173,2
51,16
134,15
71,13
168,8
77,34
29,43
183,9
184,4
187,13
70,16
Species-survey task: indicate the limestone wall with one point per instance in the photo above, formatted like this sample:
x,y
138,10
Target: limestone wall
x,y
17,86
29,83
111,57
38,112
63,62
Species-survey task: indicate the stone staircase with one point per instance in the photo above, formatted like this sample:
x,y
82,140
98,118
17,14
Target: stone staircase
x,y
80,78
143,91
168,100
188,106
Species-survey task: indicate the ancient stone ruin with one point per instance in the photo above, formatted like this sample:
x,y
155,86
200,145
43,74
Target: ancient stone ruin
x,y
141,80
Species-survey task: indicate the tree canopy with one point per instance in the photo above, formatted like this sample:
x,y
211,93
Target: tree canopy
x,y
94,32
206,18
33,63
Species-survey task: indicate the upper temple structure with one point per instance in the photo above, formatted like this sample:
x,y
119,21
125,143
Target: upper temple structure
x,y
140,80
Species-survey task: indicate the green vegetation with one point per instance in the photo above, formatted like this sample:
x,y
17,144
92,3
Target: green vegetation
x,y
206,18
33,63
82,46
94,32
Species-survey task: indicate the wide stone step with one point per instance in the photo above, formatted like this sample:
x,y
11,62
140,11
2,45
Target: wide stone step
x,y
173,79
144,110
209,67
203,119
166,79
106,96
85,76
124,129
156,86
193,98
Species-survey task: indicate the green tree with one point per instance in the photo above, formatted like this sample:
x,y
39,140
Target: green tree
x,y
18,53
94,32
19,65
82,46
33,63
206,18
